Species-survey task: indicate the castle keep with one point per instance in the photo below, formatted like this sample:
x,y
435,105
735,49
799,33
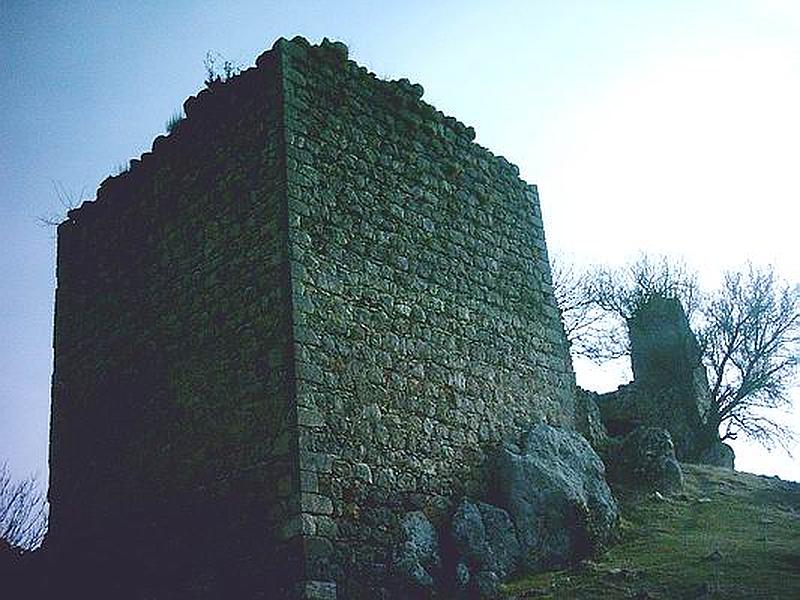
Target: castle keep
x,y
314,305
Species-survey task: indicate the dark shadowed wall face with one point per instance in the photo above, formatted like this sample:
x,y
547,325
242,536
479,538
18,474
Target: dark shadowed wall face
x,y
171,420
424,319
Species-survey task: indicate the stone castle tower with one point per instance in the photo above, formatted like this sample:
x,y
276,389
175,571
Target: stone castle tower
x,y
313,306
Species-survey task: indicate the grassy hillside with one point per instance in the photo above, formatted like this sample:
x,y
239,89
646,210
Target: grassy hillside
x,y
728,535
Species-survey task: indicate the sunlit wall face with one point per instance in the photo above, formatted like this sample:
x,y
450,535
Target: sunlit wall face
x,y
670,127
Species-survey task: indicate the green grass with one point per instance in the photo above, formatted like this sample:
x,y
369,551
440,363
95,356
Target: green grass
x,y
728,535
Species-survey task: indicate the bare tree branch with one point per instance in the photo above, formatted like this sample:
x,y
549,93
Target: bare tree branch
x,y
751,331
748,331
591,331
67,200
624,290
23,511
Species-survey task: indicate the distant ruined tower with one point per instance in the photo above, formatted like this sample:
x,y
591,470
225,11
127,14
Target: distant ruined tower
x,y
313,306
669,387
667,362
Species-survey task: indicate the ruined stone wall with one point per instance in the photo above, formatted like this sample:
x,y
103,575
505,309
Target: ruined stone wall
x,y
173,435
424,320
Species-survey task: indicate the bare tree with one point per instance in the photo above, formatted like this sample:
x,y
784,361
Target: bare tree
x,y
67,200
751,340
622,291
749,333
596,303
23,511
583,321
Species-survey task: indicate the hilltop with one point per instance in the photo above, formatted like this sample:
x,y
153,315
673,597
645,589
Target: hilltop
x,y
726,535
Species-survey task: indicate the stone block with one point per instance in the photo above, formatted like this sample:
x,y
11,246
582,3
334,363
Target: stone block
x,y
315,461
316,590
315,504
309,417
363,472
300,524
309,481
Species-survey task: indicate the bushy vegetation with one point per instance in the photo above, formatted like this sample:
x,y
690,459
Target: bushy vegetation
x,y
173,121
219,69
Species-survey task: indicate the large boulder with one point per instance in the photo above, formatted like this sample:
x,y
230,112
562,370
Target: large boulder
x,y
487,546
555,490
646,457
417,560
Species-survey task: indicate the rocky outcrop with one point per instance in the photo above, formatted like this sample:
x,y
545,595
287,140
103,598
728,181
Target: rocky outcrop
x,y
487,545
551,507
646,458
554,488
417,561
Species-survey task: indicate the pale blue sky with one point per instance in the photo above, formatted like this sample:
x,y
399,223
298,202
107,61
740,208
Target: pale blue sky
x,y
664,126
